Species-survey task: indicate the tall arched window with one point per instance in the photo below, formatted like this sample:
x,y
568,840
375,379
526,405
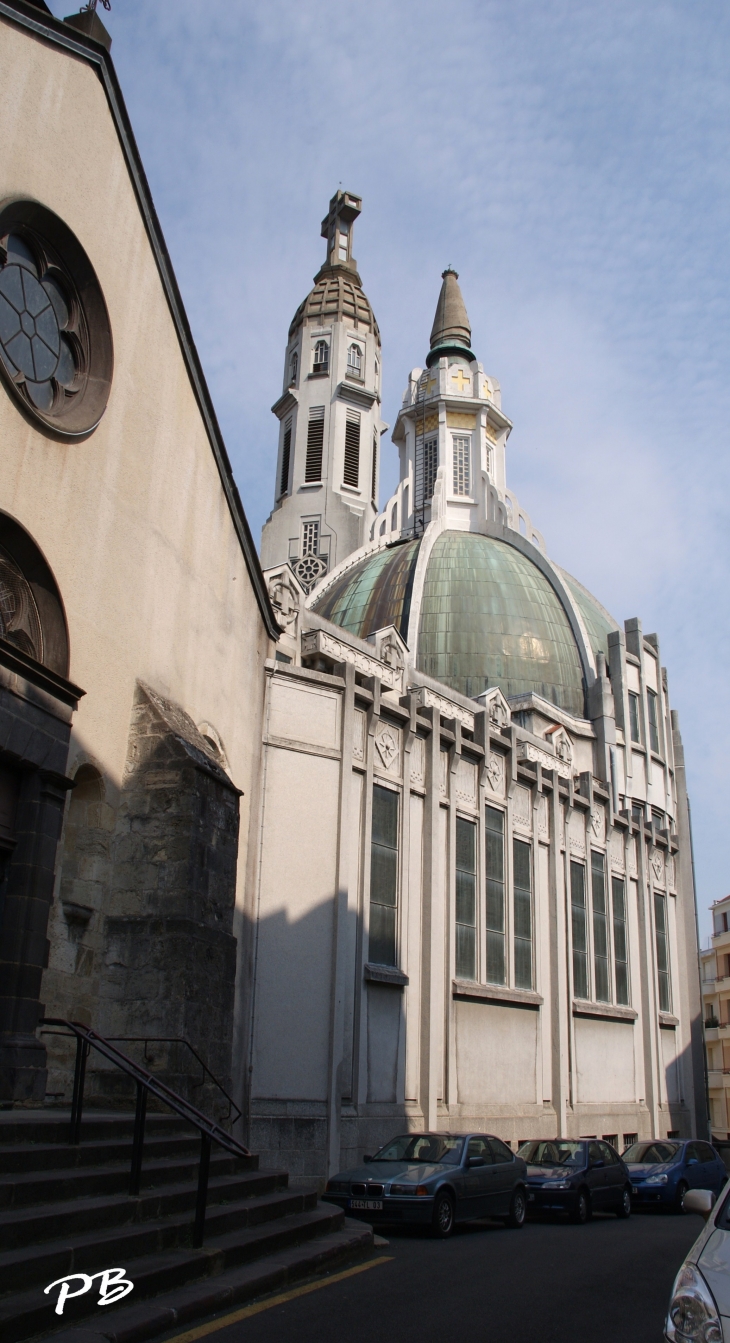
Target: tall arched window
x,y
293,369
354,362
321,357
31,613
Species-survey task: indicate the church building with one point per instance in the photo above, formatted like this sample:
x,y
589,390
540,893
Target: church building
x,y
473,906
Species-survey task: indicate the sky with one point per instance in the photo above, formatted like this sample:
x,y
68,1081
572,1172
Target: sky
x,y
570,161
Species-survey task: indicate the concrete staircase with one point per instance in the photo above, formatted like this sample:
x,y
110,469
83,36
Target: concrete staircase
x,y
67,1210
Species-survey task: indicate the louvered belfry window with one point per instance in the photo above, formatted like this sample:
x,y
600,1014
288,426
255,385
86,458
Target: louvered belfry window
x,y
462,445
315,445
285,459
351,472
427,460
374,494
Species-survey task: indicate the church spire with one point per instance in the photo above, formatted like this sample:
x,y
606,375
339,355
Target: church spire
x,y
451,329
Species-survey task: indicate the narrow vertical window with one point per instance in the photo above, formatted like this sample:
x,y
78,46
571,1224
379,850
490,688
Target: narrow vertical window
x,y
427,458
579,928
634,717
600,928
315,445
662,950
354,361
342,242
461,454
383,877
310,538
293,369
285,459
374,487
620,940
522,914
496,959
351,471
651,704
321,357
466,899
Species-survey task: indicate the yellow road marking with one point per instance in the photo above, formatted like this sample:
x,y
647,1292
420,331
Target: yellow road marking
x,y
256,1309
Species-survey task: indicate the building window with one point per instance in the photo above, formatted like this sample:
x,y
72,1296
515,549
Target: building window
x,y
383,877
496,959
651,703
522,914
634,717
374,486
462,453
427,460
293,369
321,357
600,928
342,242
630,1139
310,538
620,940
351,470
285,459
579,928
315,445
354,362
466,899
662,951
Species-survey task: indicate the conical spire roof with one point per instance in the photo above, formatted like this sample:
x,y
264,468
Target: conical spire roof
x,y
451,322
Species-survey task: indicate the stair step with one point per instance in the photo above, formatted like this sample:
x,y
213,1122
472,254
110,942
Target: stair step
x,y
27,1226
19,1191
37,1265
26,1313
37,1126
28,1157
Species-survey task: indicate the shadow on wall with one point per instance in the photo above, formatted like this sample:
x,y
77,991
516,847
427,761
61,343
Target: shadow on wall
x,y
141,934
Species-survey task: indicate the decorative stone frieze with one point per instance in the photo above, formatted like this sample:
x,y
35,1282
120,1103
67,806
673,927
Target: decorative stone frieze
x,y
428,699
320,642
527,750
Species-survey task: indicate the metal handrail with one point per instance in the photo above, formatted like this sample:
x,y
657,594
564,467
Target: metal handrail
x,y
178,1040
210,1132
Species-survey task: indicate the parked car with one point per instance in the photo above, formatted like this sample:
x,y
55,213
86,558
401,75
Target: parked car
x,y
699,1306
435,1179
662,1171
577,1177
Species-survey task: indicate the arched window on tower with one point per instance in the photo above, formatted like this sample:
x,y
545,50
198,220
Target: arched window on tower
x,y
321,357
31,613
354,362
293,369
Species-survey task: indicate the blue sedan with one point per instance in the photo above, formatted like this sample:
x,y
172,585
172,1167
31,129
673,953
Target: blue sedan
x,y
662,1171
435,1179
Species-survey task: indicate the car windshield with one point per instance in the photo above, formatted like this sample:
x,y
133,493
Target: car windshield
x,y
651,1153
423,1147
552,1153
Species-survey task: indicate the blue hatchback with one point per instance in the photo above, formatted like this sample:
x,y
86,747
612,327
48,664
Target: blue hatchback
x,y
663,1170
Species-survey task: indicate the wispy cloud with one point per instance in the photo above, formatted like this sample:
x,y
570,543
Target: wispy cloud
x,y
570,159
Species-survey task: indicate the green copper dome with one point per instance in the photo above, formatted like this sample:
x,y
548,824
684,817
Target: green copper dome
x,y
488,616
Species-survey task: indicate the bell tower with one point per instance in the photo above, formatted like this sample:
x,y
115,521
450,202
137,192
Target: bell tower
x,y
328,460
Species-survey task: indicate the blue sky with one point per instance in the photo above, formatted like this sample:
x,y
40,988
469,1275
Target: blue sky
x,y
570,160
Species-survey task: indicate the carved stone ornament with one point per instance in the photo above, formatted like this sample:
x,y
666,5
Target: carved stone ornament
x,y
387,745
498,710
521,805
358,743
495,773
285,597
430,700
418,762
318,641
561,744
526,750
657,864
309,569
391,653
465,783
598,824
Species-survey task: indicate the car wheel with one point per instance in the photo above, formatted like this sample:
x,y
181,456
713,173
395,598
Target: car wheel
x,y
517,1211
624,1208
582,1210
682,1188
443,1216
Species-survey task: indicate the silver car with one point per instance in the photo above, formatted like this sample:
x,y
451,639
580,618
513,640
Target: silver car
x,y
436,1179
699,1307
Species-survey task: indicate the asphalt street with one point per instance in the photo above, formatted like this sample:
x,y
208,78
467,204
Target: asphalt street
x,y
607,1282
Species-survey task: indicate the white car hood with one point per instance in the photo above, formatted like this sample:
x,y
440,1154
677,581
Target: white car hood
x,y
713,1262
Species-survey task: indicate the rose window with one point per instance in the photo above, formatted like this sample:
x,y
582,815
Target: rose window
x,y
34,319
309,569
55,340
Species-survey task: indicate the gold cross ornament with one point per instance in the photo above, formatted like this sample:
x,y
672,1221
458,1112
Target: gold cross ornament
x,y
461,378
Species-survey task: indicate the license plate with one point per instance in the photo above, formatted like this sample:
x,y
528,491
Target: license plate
x,y
366,1204
530,1198
634,1190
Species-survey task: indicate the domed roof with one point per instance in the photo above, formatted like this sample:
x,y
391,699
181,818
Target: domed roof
x,y
337,295
488,616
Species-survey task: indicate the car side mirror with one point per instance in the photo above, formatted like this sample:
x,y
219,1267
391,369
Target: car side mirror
x,y
595,1165
367,1158
699,1200
475,1161
693,1161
